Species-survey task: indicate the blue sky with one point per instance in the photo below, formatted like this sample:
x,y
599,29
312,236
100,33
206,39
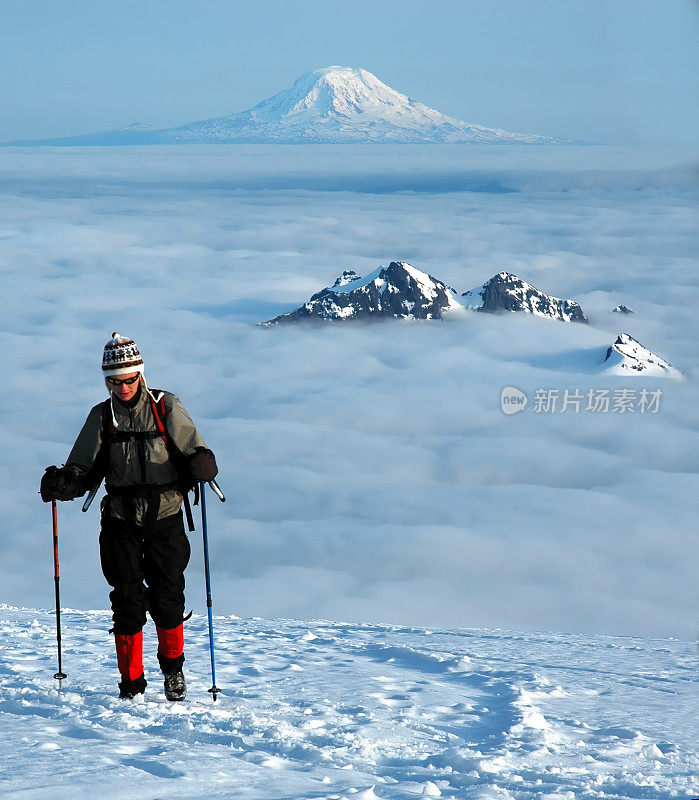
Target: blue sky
x,y
617,72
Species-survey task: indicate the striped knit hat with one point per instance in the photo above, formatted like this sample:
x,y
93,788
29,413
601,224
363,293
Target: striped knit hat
x,y
121,356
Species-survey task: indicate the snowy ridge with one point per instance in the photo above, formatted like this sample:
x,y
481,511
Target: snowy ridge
x,y
401,290
397,291
507,292
337,711
331,105
627,356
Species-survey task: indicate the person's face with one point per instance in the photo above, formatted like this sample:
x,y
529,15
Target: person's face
x,y
125,391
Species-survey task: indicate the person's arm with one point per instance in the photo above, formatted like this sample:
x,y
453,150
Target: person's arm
x,y
200,461
71,480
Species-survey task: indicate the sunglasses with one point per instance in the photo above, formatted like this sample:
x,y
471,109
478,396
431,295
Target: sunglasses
x,y
119,381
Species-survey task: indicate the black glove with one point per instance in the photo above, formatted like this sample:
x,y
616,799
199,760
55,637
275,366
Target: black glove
x,y
202,465
61,483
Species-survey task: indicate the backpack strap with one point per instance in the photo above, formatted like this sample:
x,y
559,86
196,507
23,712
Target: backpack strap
x,y
107,423
159,412
176,455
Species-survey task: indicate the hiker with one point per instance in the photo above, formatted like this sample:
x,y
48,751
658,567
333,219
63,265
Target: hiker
x,y
147,448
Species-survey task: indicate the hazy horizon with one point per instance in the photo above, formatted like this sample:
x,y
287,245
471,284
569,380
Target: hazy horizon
x,y
580,70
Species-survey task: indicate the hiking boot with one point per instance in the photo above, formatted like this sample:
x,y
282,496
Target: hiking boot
x,y
129,689
175,686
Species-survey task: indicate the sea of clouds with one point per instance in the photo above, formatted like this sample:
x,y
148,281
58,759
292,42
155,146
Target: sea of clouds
x,y
370,471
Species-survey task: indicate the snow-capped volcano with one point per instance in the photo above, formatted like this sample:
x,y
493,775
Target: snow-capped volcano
x,y
627,356
398,290
341,104
331,105
507,292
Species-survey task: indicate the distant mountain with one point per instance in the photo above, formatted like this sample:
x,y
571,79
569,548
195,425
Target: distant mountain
x,y
507,292
333,105
402,290
622,309
627,356
399,290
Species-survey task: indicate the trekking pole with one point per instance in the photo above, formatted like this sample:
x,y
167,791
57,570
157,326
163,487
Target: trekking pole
x,y
56,577
214,689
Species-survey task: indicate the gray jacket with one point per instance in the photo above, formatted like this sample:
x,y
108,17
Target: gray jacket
x,y
137,462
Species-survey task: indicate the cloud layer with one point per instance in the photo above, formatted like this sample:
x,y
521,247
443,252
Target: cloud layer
x,y
370,472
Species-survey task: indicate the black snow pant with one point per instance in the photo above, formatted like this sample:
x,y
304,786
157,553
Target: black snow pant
x,y
145,565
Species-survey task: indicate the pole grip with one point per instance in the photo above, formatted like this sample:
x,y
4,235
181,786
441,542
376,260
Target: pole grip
x,y
216,489
91,496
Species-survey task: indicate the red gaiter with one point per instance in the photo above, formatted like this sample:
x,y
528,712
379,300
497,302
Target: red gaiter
x,y
129,650
170,641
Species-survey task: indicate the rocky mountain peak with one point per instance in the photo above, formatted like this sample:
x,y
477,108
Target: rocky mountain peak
x,y
508,292
627,356
399,290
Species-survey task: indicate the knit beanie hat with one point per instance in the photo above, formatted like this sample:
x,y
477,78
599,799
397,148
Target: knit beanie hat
x,y
121,356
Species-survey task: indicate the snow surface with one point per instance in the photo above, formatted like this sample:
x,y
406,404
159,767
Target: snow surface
x,y
626,356
340,711
357,283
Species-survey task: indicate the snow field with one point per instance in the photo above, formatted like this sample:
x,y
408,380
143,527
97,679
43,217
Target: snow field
x,y
341,711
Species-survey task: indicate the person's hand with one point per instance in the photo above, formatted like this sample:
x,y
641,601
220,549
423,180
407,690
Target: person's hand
x,y
202,465
60,483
